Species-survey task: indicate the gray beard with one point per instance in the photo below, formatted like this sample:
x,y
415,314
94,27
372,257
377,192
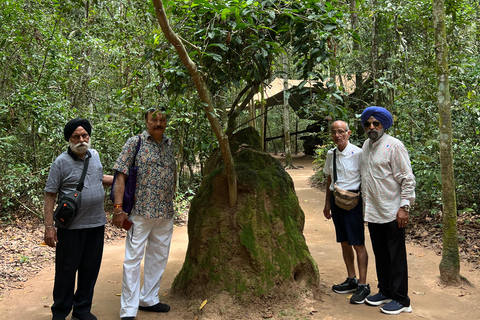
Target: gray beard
x,y
80,147
374,135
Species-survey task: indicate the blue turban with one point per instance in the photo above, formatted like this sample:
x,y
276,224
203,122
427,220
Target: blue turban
x,y
379,113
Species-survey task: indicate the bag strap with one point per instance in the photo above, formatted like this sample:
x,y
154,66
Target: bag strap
x,y
136,149
84,172
335,165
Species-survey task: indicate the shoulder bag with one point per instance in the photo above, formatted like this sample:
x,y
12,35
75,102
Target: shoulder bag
x,y
130,184
344,199
68,203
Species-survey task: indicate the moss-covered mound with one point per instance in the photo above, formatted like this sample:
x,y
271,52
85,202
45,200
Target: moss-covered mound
x,y
256,247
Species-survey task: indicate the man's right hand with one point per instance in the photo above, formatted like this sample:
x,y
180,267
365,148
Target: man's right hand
x,y
326,211
50,237
118,219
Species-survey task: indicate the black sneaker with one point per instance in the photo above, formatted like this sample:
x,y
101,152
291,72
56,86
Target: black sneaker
x,y
359,296
377,299
349,285
393,307
85,316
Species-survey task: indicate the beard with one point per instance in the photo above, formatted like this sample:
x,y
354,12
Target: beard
x,y
374,134
79,148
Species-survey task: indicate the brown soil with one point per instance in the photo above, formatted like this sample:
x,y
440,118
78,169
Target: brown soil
x,y
26,269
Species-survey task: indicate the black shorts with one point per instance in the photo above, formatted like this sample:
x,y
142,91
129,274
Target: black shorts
x,y
349,224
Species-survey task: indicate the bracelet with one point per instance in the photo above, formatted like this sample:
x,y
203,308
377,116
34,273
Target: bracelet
x,y
46,227
117,206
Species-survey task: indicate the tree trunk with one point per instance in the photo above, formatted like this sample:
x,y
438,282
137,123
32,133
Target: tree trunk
x,y
355,45
286,116
450,263
375,52
204,96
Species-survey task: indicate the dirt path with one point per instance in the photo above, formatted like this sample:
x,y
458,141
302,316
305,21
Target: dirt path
x,y
430,300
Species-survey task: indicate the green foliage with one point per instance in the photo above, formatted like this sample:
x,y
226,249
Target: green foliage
x,y
109,62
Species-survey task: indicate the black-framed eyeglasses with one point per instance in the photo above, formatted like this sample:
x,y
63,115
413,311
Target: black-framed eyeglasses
x,y
77,137
376,124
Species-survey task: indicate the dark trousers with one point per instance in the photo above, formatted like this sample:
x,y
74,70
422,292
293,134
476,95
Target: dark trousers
x,y
388,242
78,251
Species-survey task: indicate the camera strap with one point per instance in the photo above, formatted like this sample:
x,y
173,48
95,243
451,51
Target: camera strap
x,y
84,172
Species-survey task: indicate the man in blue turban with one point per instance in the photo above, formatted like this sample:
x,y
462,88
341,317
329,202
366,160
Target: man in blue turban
x,y
388,191
381,115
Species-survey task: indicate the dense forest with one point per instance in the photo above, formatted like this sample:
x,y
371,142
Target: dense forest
x,y
109,61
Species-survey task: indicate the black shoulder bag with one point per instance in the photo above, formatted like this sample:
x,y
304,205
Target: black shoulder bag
x,y
68,203
344,199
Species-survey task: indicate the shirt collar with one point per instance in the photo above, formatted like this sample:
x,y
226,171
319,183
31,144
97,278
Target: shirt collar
x,y
165,139
75,157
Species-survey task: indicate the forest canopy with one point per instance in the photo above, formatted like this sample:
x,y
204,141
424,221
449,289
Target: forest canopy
x,y
108,61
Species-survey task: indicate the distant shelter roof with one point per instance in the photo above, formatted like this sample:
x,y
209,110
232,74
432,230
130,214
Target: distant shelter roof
x,y
273,93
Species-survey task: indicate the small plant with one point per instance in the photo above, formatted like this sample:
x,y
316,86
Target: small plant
x,y
24,259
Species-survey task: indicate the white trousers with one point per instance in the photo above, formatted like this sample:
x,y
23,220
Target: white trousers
x,y
151,236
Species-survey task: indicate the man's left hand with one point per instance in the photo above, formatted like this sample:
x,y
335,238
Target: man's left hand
x,y
402,218
117,219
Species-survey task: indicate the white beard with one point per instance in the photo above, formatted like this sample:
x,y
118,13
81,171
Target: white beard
x,y
79,148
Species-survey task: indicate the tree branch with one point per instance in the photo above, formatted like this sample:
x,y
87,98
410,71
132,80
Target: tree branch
x,y
204,97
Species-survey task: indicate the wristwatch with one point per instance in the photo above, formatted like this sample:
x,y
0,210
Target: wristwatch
x,y
406,207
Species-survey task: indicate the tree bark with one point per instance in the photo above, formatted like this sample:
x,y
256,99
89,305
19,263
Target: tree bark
x,y
450,263
375,51
355,45
286,116
204,94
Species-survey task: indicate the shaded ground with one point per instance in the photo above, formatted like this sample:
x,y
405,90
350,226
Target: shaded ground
x,y
28,266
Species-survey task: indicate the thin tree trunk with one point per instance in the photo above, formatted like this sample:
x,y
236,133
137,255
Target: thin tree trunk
x,y
375,51
450,263
263,131
286,116
355,45
204,96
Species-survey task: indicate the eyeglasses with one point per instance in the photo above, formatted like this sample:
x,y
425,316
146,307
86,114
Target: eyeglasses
x,y
376,124
77,137
335,132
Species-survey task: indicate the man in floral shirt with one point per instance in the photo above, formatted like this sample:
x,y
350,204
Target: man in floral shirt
x,y
152,214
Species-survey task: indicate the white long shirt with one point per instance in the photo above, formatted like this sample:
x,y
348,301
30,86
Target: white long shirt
x,y
388,182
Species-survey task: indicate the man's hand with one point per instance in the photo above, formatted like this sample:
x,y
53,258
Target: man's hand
x,y
118,219
50,237
402,218
326,211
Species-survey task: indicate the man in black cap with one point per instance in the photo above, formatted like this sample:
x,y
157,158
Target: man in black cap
x,y
79,247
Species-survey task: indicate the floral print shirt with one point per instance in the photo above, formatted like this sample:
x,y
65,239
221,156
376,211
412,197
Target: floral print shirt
x,y
155,188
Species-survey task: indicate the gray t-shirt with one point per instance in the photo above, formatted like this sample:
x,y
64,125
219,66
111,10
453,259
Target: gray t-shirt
x,y
63,178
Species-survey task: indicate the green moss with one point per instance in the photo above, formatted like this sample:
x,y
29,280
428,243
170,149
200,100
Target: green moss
x,y
247,238
264,229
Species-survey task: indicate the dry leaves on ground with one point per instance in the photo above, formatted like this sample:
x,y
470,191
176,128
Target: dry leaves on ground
x,y
23,252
